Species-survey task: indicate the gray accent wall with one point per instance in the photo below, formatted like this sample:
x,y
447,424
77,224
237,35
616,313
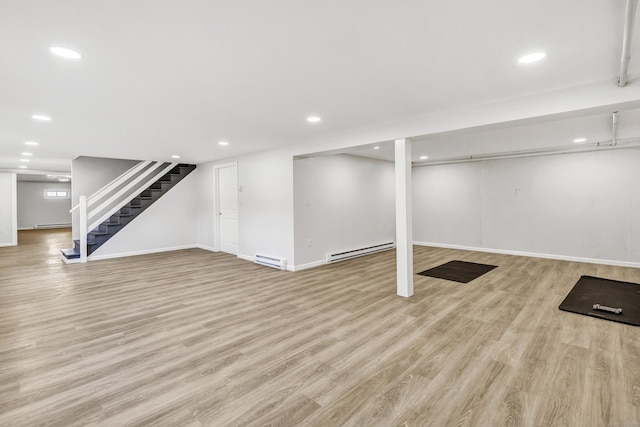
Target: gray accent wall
x,y
90,174
36,210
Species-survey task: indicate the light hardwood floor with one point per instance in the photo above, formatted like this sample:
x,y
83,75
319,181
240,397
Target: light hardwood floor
x,y
196,338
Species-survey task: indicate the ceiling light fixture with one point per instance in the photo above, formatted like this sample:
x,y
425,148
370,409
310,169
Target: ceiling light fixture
x,y
580,140
64,52
376,148
532,57
24,160
223,143
41,118
31,143
424,157
22,167
175,156
313,119
26,154
63,179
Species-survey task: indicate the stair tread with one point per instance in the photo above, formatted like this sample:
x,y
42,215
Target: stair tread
x,y
70,253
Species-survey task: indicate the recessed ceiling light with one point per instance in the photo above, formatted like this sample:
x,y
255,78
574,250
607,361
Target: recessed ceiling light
x,y
67,176
424,157
31,143
223,143
22,167
27,154
51,176
175,156
532,57
41,118
376,148
65,52
580,140
24,160
313,119
63,179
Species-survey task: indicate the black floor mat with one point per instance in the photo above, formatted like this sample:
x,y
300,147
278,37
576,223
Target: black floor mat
x,y
458,271
611,293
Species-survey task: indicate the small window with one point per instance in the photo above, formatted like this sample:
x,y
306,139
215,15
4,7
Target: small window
x,y
56,194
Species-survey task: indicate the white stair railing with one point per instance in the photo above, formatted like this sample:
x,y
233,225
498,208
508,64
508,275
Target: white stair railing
x,y
114,184
128,185
128,193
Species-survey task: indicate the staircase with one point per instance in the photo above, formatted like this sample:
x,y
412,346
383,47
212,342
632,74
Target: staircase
x,y
129,211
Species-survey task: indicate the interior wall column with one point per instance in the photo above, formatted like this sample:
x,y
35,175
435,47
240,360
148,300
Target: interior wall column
x,y
404,218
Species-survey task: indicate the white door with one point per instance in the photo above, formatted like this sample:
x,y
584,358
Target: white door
x,y
228,209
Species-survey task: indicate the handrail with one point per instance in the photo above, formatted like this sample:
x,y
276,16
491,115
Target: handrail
x,y
107,188
130,197
113,184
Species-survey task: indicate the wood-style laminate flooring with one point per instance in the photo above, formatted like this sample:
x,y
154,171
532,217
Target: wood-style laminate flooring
x,y
194,338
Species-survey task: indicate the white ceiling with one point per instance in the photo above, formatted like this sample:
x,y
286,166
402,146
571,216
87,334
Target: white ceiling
x,y
167,77
549,133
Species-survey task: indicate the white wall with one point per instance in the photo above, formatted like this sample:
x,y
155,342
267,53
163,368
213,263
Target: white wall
x,y
170,223
205,206
34,209
265,204
91,174
8,209
341,202
583,205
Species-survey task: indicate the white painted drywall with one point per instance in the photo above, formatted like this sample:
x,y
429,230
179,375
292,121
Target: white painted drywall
x,y
341,203
8,209
205,206
265,211
34,209
170,223
89,175
583,205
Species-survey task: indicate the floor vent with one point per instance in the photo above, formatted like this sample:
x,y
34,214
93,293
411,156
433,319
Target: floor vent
x,y
341,256
270,261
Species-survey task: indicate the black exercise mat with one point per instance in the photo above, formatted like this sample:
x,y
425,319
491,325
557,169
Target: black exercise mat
x,y
611,293
458,271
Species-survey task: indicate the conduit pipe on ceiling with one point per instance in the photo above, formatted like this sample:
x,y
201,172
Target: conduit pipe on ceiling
x,y
626,41
614,129
583,148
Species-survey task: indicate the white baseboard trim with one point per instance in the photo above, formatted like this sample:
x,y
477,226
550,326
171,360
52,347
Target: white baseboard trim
x,y
307,265
26,228
206,248
532,254
135,253
3,245
245,257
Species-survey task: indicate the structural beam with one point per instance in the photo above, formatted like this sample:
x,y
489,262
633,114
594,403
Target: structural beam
x,y
404,229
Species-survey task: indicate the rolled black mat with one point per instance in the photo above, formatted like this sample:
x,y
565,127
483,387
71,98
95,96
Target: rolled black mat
x,y
458,271
589,291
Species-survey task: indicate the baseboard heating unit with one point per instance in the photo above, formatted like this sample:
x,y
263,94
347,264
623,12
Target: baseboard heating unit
x,y
269,261
353,253
41,226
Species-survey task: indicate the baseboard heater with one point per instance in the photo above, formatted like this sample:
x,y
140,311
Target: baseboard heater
x,y
38,226
269,261
344,255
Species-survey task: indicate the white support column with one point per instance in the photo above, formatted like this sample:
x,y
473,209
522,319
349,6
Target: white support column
x,y
404,218
83,228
